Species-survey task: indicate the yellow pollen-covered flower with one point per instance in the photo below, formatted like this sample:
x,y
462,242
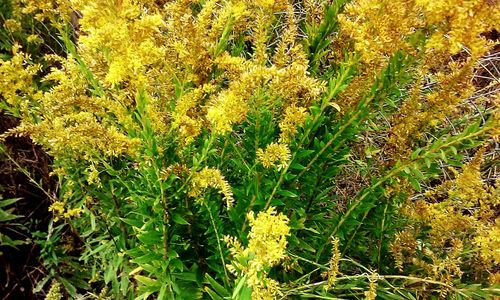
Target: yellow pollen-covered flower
x,y
211,178
294,117
227,109
266,248
267,238
333,271
371,294
273,154
59,209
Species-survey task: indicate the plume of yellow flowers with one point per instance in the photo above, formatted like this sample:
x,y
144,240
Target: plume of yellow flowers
x,y
267,238
266,248
333,264
186,117
54,11
376,36
55,291
121,40
16,80
227,109
274,155
371,294
460,23
211,178
466,215
294,117
60,210
451,27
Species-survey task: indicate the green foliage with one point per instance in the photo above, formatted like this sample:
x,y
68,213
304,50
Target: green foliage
x,y
148,222
6,219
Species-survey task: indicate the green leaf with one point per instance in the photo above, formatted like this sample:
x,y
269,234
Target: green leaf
x,y
151,237
216,286
212,294
163,292
7,202
7,216
178,219
297,166
124,283
306,246
286,193
68,286
149,282
239,286
109,274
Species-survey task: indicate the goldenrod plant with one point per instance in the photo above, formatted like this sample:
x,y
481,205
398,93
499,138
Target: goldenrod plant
x,y
268,149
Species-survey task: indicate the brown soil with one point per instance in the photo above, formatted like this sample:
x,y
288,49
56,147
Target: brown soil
x,y
20,268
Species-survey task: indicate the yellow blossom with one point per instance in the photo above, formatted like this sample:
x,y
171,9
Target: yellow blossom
x,y
333,264
12,25
226,109
371,294
293,117
459,212
488,242
16,79
55,292
266,248
59,209
267,238
273,154
211,178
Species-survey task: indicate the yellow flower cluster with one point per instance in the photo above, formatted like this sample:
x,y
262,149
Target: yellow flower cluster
x,y
333,264
287,79
460,24
377,36
461,211
12,25
16,80
266,248
453,28
211,178
228,108
294,117
186,117
93,175
273,154
267,238
452,86
488,241
60,211
126,46
452,25
54,11
371,294
55,292
121,40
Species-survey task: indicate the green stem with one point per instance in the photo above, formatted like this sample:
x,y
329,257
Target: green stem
x,y
218,245
333,92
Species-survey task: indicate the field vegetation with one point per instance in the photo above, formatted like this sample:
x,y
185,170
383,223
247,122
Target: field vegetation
x,y
252,149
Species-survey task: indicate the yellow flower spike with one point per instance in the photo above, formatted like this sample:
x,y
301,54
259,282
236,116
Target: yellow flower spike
x,y
448,228
227,108
16,79
266,248
333,271
377,37
267,237
211,178
371,294
274,155
294,117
